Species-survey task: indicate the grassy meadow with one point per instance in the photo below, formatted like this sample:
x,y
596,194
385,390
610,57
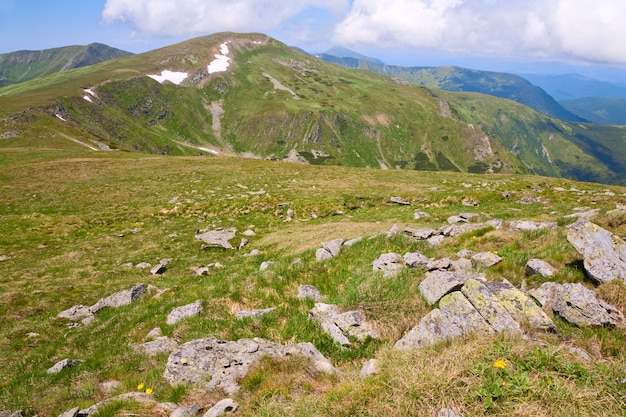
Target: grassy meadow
x,y
70,220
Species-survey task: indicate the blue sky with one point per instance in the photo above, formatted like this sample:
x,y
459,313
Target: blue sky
x,y
557,35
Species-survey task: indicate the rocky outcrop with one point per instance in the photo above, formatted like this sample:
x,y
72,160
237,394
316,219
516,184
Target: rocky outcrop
x,y
216,363
604,254
577,304
341,325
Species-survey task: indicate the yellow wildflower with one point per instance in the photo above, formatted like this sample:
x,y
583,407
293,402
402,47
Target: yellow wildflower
x,y
500,364
148,391
140,387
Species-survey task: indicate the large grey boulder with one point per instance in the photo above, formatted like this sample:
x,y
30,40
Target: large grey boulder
x,y
604,254
577,304
341,325
415,259
219,238
179,313
120,298
485,259
439,283
222,407
389,264
454,318
215,363
539,267
328,250
489,307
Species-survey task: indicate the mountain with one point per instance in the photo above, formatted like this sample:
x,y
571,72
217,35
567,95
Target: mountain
x,y
607,111
248,94
573,86
22,66
497,84
340,52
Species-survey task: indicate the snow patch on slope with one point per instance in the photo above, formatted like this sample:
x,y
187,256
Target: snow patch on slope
x,y
221,61
171,76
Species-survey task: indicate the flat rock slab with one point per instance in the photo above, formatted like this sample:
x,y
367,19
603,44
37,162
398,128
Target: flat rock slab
x,y
577,304
341,325
539,267
309,291
189,310
218,363
489,307
333,246
454,318
485,259
120,298
420,233
76,313
219,238
222,407
439,283
527,225
415,259
161,344
604,254
389,263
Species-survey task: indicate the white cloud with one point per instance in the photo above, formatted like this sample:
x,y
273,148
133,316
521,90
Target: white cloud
x,y
579,29
187,17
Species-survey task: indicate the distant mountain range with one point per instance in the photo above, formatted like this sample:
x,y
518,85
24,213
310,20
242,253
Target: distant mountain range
x,y
249,94
605,111
574,86
22,66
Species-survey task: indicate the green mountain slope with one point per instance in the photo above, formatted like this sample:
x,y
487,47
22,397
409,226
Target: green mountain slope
x,y
498,84
22,66
606,111
277,103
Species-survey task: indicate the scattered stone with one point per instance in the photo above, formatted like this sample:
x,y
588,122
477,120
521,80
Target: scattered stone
x,y
416,259
577,304
75,313
222,407
160,344
420,215
439,283
485,259
393,231
4,258
370,368
465,253
140,397
265,265
530,200
244,242
73,412
173,200
461,265
218,238
487,304
456,219
120,298
254,313
189,411
579,353
352,242
604,254
32,334
539,267
297,262
309,291
447,412
65,363
435,240
249,233
389,263
520,306
469,202
154,333
217,363
506,194
527,225
200,271
322,255
179,313
253,252
289,215
108,387
454,318
420,233
399,200
339,325
443,263
143,265
584,214
333,246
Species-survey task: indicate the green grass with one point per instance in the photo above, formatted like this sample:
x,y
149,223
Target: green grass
x,y
68,224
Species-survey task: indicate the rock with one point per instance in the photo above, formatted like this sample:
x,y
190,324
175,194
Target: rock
x,y
454,318
456,219
254,313
265,265
604,254
419,233
189,411
120,298
322,255
465,253
352,242
140,397
485,259
435,240
65,363
179,313
69,413
339,325
244,242
389,263
399,200
200,271
420,215
521,307
289,215
333,246
443,263
462,265
526,225
160,344
415,259
222,407
487,304
249,233
447,412
539,267
154,333
439,283
253,252
143,265
297,263
108,387
215,363
393,231
87,320
218,238
587,215
75,313
469,202
309,291
370,368
579,353
577,304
